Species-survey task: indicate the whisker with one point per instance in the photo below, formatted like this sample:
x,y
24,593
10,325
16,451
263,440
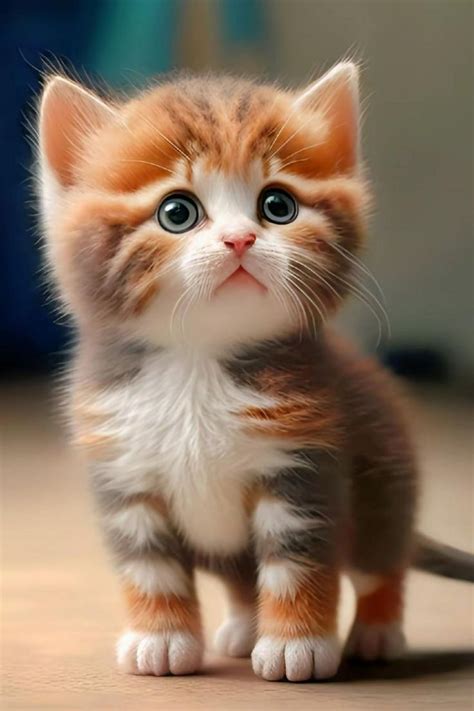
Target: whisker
x,y
359,284
362,298
301,150
364,292
185,311
304,269
358,289
321,309
147,162
176,307
282,302
285,165
281,129
296,281
174,145
291,136
358,263
298,307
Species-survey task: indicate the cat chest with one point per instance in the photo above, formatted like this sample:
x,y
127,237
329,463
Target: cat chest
x,y
183,434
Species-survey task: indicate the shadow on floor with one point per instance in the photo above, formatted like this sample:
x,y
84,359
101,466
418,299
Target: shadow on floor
x,y
413,665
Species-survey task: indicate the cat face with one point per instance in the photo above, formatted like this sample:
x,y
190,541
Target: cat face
x,y
206,211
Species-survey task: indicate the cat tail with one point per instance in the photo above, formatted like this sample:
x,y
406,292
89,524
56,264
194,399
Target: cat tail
x,y
441,559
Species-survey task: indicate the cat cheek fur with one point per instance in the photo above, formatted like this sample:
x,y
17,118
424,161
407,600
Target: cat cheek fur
x,y
225,428
110,256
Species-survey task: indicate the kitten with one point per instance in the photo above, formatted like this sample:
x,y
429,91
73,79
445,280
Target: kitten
x,y
200,234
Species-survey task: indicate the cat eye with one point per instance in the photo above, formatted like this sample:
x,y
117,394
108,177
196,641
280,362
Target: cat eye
x,y
179,213
278,205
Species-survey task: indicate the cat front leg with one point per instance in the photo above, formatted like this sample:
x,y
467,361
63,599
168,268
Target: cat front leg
x,y
377,632
236,635
296,534
164,627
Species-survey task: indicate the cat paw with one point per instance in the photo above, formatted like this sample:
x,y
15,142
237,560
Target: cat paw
x,y
236,636
297,659
375,641
159,653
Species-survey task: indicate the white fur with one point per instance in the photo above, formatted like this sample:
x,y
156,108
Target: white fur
x,y
282,579
273,517
159,653
51,194
377,641
364,583
297,659
236,636
156,577
138,523
179,432
189,307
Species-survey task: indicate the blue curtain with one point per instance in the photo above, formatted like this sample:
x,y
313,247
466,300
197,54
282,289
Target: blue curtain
x,y
118,40
30,336
103,38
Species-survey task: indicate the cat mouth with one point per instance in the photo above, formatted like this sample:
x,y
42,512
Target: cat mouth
x,y
241,278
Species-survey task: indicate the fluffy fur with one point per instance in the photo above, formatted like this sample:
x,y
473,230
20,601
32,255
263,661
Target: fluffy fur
x,y
225,427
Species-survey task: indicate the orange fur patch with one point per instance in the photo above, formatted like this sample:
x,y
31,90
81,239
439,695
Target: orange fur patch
x,y
123,258
106,268
88,421
311,611
384,605
226,122
97,446
161,613
107,209
299,419
308,413
132,278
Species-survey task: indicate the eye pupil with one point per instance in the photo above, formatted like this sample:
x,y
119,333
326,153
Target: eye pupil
x,y
278,206
179,213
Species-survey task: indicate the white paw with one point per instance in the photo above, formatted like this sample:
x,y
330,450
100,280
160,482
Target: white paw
x,y
159,653
236,636
296,659
371,642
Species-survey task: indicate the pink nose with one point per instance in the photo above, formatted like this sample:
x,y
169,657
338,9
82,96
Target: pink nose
x,y
239,243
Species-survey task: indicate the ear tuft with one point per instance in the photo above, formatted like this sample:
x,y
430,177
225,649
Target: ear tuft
x,y
336,95
68,114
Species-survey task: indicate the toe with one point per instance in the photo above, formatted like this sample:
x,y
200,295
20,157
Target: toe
x,y
235,637
185,654
375,641
326,656
159,653
268,659
298,660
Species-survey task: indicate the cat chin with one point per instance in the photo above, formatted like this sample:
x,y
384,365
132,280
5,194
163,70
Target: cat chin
x,y
232,317
239,282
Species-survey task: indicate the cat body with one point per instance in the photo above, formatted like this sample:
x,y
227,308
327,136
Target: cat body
x,y
200,234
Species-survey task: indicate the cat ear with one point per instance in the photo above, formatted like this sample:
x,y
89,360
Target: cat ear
x,y
336,95
68,114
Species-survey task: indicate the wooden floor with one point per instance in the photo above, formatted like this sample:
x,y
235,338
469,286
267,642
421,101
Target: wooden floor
x,y
61,611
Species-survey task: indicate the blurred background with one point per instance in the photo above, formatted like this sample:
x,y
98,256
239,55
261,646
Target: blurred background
x,y
60,606
417,87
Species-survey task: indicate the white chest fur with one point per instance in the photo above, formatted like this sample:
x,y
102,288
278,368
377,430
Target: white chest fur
x,y
181,435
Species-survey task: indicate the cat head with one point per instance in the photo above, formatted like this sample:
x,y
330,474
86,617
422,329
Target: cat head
x,y
208,211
